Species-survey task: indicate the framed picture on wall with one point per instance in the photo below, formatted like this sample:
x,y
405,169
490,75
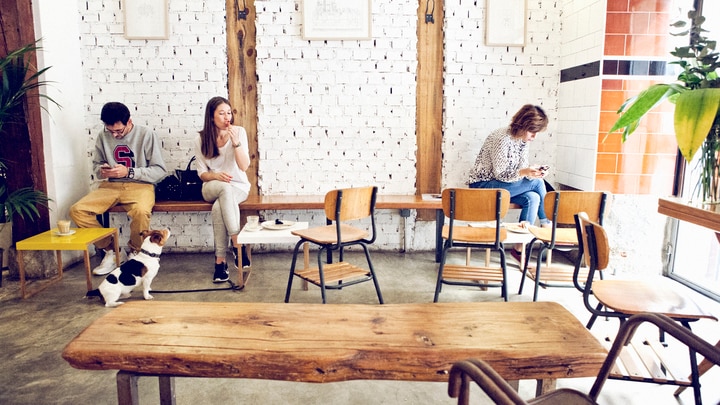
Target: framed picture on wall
x,y
336,19
146,19
505,22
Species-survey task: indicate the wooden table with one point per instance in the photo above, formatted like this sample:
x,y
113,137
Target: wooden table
x,y
249,238
81,239
328,343
707,215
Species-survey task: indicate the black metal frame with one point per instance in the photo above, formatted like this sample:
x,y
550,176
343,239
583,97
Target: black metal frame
x,y
543,247
339,247
450,243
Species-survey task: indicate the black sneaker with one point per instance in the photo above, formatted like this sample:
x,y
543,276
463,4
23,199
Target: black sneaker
x,y
245,259
221,274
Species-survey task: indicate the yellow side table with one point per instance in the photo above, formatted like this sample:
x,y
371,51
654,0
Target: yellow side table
x,y
80,239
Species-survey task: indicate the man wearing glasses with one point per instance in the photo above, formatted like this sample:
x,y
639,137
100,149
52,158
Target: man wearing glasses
x,y
129,162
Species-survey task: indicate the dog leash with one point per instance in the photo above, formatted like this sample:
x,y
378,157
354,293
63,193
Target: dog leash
x,y
232,287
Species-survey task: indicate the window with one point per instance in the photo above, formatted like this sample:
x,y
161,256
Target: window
x,y
695,254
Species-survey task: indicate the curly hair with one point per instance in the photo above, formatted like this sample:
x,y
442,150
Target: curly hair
x,y
530,118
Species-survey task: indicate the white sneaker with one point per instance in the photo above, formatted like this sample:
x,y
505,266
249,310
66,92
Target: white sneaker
x,y
108,262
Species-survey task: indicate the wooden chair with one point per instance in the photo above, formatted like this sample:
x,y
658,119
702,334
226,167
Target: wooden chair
x,y
341,207
500,392
473,205
560,208
624,298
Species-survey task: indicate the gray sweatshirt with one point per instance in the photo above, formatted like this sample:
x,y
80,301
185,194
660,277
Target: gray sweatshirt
x,y
140,149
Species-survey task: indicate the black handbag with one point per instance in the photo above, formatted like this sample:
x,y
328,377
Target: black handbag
x,y
168,189
190,183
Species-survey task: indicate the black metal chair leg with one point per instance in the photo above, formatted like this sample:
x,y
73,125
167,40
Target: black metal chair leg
x,y
372,273
292,271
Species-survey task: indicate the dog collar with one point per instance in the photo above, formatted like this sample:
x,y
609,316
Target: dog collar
x,y
149,254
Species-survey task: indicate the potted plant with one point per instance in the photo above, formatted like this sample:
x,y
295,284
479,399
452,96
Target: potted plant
x,y
696,96
18,76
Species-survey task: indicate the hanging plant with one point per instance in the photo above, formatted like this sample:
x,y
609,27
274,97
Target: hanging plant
x,y
696,95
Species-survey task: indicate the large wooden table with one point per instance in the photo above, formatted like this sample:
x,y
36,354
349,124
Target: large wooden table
x,y
328,343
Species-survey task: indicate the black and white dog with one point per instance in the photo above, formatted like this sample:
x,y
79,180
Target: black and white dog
x,y
140,269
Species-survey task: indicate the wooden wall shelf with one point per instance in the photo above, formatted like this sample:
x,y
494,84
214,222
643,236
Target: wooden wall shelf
x,y
706,215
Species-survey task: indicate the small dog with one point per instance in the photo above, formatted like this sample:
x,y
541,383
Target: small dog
x,y
140,269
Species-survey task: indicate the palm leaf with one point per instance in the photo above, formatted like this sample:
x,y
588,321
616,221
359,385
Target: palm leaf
x,y
695,113
635,108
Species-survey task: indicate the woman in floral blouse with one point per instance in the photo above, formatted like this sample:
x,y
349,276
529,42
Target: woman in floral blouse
x,y
503,163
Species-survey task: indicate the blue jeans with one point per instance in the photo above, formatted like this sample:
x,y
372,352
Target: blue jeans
x,y
528,193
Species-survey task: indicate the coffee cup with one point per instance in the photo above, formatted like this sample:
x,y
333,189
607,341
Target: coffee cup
x,y
63,226
253,221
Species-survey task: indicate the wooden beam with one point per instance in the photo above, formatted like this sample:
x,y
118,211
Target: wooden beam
x,y
21,142
429,99
242,76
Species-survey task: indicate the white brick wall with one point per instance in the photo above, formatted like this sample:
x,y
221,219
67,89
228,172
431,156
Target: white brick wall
x,y
330,113
485,86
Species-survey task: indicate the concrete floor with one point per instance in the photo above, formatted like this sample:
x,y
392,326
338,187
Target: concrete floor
x,y
34,332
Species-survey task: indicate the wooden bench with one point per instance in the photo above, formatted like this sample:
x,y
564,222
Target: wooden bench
x,y
404,203
329,343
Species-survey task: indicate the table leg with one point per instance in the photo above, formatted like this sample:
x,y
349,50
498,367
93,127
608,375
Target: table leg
x,y
167,390
545,385
127,388
21,269
244,274
24,293
88,271
116,243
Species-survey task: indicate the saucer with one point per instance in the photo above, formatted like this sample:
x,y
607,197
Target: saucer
x,y
68,233
252,229
271,225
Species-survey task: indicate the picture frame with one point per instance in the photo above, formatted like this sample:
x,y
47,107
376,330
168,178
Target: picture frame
x,y
336,19
505,22
146,19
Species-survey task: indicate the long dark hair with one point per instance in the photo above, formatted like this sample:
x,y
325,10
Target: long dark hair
x,y
209,133
530,118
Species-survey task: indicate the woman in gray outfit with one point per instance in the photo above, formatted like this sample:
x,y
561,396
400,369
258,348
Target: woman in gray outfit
x,y
222,159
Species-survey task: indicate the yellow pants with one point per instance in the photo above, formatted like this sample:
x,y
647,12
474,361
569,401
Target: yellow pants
x,y
138,200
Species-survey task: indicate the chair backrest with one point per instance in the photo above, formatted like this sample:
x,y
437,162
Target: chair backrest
x,y
597,244
561,206
349,204
475,204
595,248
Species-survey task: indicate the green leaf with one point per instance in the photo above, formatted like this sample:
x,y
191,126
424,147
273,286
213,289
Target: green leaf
x,y
640,105
695,112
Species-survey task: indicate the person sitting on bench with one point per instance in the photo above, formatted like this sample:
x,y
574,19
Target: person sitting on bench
x,y
222,159
128,158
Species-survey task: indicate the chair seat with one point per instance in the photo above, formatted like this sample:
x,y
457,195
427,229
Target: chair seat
x,y
334,272
656,295
473,273
473,234
324,235
556,273
563,236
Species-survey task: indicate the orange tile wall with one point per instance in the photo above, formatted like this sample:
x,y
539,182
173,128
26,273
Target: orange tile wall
x,y
645,163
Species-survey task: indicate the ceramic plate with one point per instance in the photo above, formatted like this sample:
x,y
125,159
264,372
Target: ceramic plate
x,y
516,228
58,233
250,229
277,227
